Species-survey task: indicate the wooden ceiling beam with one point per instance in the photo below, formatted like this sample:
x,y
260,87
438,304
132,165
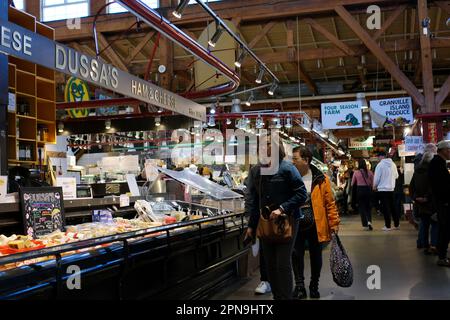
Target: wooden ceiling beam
x,y
381,55
115,58
261,34
427,67
442,94
112,55
256,10
139,47
338,43
397,12
444,5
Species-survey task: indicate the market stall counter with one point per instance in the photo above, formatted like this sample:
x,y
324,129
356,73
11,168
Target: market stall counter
x,y
156,255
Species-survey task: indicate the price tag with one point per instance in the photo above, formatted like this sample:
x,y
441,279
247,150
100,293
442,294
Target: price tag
x,y
124,200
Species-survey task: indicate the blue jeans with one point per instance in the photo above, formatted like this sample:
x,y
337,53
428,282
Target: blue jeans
x,y
424,232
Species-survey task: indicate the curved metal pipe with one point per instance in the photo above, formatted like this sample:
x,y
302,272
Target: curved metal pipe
x,y
164,26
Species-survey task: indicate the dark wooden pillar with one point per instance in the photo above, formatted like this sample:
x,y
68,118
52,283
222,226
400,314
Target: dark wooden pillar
x,y
166,54
3,99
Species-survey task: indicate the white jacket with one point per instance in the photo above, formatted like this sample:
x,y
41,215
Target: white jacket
x,y
385,175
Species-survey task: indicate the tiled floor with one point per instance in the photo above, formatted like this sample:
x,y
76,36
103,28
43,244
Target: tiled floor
x,y
406,273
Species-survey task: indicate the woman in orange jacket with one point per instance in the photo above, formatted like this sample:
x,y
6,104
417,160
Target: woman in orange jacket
x,y
326,221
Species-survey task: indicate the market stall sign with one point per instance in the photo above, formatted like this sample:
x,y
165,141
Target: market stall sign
x,y
361,143
24,44
76,90
341,115
391,112
414,144
42,210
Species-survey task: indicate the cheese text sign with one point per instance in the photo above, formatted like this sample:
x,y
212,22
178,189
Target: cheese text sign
x,y
341,115
26,45
396,111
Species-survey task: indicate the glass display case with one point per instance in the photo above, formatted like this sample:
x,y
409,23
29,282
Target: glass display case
x,y
196,191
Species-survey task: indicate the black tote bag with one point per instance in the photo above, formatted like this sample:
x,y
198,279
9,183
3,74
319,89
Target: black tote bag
x,y
341,267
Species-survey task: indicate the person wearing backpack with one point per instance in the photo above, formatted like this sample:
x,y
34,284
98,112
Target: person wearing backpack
x,y
363,181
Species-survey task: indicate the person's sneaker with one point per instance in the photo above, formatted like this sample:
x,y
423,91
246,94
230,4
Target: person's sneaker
x,y
370,226
314,293
397,228
386,229
366,228
263,288
443,263
300,293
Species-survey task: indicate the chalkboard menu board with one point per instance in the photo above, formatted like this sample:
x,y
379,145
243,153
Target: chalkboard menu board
x,y
42,210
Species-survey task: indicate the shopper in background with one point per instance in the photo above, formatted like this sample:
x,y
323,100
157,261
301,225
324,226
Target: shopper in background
x,y
363,181
286,190
326,219
440,186
399,195
384,183
420,191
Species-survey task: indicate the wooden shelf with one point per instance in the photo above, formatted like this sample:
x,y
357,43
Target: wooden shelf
x,y
35,87
25,117
26,140
38,78
45,121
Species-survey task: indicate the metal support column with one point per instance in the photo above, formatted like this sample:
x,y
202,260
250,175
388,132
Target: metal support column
x,y
3,99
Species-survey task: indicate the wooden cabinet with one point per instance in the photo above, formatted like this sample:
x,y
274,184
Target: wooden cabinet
x,y
33,123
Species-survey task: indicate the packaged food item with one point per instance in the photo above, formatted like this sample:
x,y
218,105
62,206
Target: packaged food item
x,y
17,244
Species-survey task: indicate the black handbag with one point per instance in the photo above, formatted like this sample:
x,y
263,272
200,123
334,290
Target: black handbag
x,y
306,220
340,265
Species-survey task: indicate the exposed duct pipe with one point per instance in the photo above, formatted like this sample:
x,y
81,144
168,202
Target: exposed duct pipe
x,y
164,26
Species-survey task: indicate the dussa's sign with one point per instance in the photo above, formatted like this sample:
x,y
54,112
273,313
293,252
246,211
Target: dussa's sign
x,y
26,45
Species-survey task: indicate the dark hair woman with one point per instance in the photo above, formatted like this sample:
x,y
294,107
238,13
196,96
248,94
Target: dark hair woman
x,y
284,191
363,181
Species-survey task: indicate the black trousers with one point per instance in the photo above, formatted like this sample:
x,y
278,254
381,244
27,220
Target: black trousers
x,y
443,229
364,204
278,258
388,208
262,265
315,254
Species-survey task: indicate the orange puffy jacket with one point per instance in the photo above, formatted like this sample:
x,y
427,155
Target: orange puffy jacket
x,y
324,206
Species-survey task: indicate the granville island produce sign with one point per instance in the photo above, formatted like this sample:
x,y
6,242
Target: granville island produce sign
x,y
24,44
391,112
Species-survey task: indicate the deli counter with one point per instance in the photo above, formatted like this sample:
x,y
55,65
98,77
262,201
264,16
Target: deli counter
x,y
164,249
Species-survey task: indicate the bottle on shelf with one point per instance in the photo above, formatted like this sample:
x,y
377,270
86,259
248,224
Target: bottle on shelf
x,y
22,153
17,151
17,128
27,153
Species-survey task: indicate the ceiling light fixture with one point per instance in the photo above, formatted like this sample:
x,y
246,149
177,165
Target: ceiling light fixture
x,y
250,100
228,122
236,106
108,124
288,123
273,88
60,127
213,41
260,75
259,122
213,109
211,121
179,10
157,121
238,62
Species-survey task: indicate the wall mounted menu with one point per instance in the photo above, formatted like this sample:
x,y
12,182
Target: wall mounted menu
x,y
42,210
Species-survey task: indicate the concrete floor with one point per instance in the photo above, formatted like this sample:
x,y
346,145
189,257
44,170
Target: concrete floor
x,y
406,273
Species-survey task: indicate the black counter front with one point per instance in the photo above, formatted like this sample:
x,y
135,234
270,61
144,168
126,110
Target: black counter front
x,y
180,261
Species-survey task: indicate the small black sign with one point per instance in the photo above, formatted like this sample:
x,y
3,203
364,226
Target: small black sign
x,y
42,210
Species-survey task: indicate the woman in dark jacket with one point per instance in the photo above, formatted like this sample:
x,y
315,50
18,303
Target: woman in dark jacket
x,y
285,191
420,191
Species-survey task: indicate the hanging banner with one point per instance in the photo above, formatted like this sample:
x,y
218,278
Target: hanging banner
x,y
24,44
391,112
342,115
361,143
414,144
